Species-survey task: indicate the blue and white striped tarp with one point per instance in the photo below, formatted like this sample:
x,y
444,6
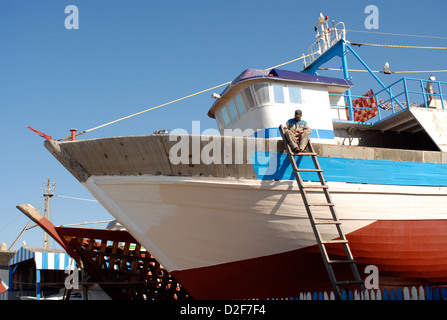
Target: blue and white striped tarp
x,y
52,261
44,259
21,255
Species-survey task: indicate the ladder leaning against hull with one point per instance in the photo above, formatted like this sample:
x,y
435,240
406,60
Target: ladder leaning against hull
x,y
333,220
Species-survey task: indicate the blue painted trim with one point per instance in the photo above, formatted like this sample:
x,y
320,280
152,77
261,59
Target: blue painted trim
x,y
336,50
38,288
325,134
44,260
274,133
67,262
276,166
267,133
56,260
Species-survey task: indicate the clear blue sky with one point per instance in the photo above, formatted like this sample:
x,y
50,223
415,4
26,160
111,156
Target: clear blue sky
x,y
131,55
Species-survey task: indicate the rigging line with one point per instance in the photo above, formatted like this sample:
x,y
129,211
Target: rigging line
x,y
293,60
395,46
84,223
416,71
41,206
11,221
361,70
16,217
176,100
75,198
150,109
398,34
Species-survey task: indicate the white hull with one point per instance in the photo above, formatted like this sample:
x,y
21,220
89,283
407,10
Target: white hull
x,y
193,222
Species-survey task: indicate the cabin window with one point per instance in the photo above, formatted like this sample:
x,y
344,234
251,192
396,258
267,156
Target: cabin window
x,y
225,117
295,94
232,110
248,98
240,104
278,93
262,93
220,120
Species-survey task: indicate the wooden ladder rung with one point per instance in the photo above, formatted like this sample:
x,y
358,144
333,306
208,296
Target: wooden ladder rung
x,y
341,261
322,204
334,241
322,185
315,186
309,170
327,222
304,154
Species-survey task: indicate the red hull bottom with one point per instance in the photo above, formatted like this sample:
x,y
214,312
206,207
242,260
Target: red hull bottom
x,y
406,253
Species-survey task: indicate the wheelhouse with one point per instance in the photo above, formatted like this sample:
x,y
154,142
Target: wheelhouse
x,y
258,101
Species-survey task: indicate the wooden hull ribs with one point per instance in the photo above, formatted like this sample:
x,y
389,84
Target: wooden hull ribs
x,y
114,260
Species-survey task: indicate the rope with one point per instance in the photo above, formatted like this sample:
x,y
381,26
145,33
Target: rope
x,y
150,109
279,65
4,227
283,64
415,71
75,198
395,46
360,70
84,223
398,34
173,101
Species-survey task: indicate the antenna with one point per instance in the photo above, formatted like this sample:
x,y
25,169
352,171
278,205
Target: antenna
x,y
48,193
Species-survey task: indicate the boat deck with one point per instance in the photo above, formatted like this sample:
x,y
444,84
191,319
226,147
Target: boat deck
x,y
150,155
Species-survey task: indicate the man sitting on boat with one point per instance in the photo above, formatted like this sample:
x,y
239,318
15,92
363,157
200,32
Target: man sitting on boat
x,y
297,132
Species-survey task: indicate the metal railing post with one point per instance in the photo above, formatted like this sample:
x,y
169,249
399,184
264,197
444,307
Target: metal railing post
x,y
423,93
441,96
406,92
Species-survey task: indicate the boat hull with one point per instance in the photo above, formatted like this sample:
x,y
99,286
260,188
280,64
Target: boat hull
x,y
233,226
400,262
243,239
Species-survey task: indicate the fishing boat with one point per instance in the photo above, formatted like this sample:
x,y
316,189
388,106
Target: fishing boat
x,y
223,213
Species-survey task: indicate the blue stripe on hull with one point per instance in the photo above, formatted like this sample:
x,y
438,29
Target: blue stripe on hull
x,y
276,166
274,133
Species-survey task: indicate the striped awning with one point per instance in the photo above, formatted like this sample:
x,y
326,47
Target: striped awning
x,y
44,259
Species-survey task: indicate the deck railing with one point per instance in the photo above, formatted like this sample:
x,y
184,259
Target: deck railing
x,y
399,96
325,40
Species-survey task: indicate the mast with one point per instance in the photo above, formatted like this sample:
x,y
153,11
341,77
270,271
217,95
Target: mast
x,y
48,193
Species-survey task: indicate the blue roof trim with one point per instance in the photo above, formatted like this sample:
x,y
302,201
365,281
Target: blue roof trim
x,y
306,77
250,74
246,75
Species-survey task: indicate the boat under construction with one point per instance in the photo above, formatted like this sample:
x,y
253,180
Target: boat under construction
x,y
240,215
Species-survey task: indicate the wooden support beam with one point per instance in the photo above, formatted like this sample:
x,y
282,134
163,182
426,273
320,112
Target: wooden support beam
x,y
43,222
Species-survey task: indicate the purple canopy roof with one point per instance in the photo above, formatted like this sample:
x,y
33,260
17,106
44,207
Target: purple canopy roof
x,y
287,75
283,75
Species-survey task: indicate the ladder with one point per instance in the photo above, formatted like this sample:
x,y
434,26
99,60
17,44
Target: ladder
x,y
332,220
